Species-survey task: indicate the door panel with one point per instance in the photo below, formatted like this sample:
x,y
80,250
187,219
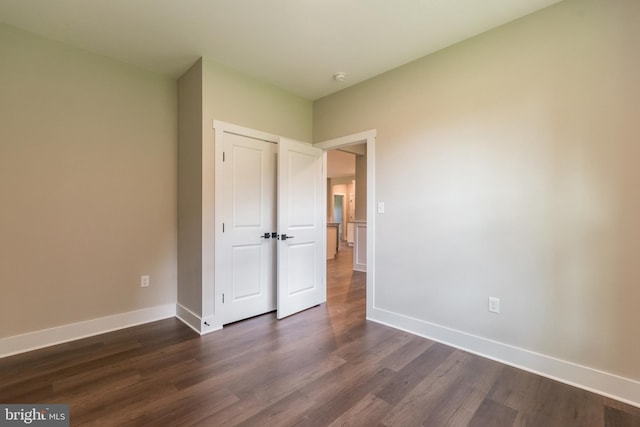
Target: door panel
x,y
247,258
301,256
302,206
246,281
302,268
247,178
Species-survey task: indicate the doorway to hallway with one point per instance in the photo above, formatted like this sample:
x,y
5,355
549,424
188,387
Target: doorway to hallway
x,y
362,143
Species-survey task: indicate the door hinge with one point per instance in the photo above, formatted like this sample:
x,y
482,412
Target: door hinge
x,y
223,156
223,298
223,227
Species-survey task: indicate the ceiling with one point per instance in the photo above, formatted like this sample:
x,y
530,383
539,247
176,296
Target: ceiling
x,y
297,45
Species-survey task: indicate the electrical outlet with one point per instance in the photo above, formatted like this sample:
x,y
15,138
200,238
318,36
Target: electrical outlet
x,y
380,207
144,281
494,305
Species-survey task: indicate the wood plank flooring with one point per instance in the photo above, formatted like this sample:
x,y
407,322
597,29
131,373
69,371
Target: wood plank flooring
x,y
326,366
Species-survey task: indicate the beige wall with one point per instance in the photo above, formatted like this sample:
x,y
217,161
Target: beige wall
x,y
236,98
232,97
88,178
190,188
87,185
513,158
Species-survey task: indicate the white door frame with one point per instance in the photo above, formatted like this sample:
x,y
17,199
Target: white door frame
x,y
369,138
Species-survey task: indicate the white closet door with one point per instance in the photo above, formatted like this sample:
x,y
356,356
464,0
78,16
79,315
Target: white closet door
x,y
248,252
301,256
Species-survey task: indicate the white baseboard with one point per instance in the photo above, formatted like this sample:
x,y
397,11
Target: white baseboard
x,y
188,317
195,322
65,333
604,383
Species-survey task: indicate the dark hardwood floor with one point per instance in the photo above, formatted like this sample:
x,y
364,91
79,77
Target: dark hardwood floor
x,y
325,366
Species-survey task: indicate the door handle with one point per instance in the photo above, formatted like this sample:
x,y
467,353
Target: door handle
x,y
265,236
285,237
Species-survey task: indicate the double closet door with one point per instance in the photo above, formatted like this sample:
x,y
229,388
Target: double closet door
x,y
271,247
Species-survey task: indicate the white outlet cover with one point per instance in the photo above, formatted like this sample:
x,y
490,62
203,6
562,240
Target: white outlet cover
x,y
380,207
144,281
494,305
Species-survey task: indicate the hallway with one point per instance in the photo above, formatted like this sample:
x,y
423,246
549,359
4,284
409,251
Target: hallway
x,y
346,289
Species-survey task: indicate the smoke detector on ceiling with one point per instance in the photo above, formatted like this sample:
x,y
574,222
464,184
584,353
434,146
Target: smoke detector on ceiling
x,y
339,76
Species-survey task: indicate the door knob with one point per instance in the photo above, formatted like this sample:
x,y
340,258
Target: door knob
x,y
265,236
285,237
